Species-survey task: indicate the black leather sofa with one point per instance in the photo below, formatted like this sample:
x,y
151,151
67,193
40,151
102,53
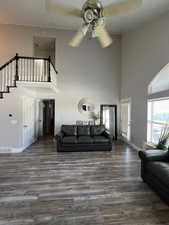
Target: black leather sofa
x,y
83,138
155,171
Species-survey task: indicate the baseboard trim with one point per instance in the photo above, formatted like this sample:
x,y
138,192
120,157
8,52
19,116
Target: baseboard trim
x,y
135,147
8,150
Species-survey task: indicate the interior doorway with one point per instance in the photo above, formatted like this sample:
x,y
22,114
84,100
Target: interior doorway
x,y
44,47
46,118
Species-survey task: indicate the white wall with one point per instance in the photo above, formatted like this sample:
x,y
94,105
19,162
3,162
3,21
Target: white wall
x,y
10,126
145,52
14,39
87,71
11,129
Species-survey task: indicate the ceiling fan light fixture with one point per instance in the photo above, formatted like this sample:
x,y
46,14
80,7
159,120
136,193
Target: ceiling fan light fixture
x,y
75,42
93,14
103,36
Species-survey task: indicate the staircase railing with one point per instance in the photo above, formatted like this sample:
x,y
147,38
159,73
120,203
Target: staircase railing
x,y
27,69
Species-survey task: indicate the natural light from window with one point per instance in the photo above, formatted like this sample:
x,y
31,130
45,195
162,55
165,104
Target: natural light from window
x,y
158,118
106,118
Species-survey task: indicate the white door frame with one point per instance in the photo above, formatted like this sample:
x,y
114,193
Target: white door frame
x,y
127,101
27,143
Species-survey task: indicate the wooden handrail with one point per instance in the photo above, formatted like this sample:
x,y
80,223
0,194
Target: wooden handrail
x,y
33,58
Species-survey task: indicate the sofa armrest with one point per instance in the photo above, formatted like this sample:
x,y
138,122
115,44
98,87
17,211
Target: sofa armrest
x,y
107,135
59,136
154,155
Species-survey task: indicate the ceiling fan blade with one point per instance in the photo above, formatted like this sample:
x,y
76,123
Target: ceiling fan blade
x,y
103,36
121,7
57,8
75,42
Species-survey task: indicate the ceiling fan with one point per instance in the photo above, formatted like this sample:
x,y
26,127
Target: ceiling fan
x,y
93,14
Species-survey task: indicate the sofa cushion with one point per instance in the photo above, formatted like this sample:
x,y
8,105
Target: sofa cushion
x,y
97,130
100,139
70,140
85,140
69,130
160,170
83,130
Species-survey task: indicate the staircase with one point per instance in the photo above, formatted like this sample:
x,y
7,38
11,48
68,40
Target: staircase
x,y
25,69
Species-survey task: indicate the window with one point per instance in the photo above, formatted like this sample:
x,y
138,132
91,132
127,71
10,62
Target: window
x,y
158,118
125,119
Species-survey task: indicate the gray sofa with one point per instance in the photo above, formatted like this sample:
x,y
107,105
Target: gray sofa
x,y
155,171
83,138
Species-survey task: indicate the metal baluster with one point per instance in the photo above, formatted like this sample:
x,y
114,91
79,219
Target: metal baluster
x,y
29,70
14,68
37,66
36,71
49,73
5,80
46,65
1,80
33,70
26,62
43,68
10,72
28,78
7,77
17,77
22,70
44,78
42,71
39,69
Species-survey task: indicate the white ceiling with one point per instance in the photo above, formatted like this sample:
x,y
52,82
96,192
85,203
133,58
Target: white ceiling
x,y
33,13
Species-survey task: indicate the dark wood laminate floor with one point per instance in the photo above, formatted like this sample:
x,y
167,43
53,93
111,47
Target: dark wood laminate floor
x,y
42,187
